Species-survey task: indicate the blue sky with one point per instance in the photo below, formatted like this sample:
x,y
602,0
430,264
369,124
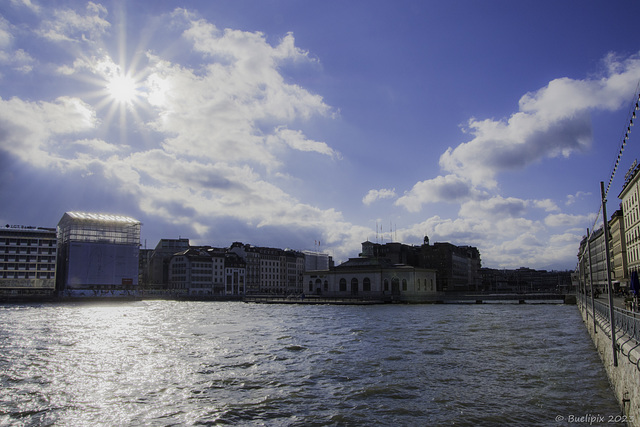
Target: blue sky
x,y
286,123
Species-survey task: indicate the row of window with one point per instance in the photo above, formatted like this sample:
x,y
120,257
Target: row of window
x,y
31,242
366,285
23,275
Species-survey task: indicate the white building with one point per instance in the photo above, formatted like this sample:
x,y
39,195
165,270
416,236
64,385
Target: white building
x,y
27,260
630,197
373,278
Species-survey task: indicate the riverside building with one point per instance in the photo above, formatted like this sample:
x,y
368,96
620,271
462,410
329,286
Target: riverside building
x,y
271,270
27,261
97,255
630,198
374,277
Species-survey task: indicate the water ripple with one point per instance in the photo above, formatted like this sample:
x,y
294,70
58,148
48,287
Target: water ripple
x,y
189,363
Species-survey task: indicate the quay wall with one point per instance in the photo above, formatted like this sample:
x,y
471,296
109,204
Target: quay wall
x,y
624,378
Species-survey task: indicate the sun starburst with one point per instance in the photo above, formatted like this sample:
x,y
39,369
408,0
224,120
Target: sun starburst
x,y
122,89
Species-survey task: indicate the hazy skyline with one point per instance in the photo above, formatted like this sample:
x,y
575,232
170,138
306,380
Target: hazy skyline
x,y
285,123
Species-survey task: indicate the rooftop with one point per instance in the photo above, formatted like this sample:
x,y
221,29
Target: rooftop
x,y
100,217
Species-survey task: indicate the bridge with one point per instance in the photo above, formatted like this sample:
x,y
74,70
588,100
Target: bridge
x,y
436,298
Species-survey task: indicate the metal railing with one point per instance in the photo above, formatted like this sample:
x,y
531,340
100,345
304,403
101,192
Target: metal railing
x,y
626,323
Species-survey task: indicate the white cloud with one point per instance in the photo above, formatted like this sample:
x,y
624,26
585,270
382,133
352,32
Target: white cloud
x,y
374,195
566,220
572,198
296,139
27,3
68,25
552,121
494,208
448,188
18,59
35,131
547,204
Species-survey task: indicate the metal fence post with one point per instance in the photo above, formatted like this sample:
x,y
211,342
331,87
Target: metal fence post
x,y
593,309
605,225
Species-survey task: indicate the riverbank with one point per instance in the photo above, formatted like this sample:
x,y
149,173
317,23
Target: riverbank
x,y
622,369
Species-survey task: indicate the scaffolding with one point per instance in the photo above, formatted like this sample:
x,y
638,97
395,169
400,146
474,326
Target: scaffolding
x,y
98,228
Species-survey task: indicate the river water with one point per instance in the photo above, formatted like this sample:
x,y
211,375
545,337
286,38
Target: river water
x,y
165,363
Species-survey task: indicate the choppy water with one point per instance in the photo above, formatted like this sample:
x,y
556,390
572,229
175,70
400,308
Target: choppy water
x,y
194,363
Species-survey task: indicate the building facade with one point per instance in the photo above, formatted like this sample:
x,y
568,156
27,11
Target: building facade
x,y
158,264
98,255
314,261
593,262
630,203
373,278
457,267
197,271
271,270
27,261
618,252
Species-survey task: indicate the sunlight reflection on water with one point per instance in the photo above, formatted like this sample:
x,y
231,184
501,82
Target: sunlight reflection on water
x,y
164,362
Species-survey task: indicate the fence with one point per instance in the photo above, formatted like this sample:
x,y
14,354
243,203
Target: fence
x,y
626,323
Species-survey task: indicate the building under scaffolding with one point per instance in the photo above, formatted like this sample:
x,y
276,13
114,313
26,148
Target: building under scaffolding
x,y
97,255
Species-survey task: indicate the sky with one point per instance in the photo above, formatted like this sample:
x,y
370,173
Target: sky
x,y
318,125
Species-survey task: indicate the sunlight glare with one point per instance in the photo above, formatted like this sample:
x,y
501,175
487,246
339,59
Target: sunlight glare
x,y
122,88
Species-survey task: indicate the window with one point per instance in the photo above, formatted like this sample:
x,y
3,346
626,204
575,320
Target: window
x,y
366,284
343,285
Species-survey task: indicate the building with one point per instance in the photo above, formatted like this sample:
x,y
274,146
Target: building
x,y
235,275
525,280
271,270
618,252
197,271
314,261
27,261
158,263
373,277
458,267
592,259
97,255
630,204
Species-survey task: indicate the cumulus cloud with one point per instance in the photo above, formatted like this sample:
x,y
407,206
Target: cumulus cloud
x,y
35,131
70,26
27,4
295,139
374,195
494,208
223,110
553,121
547,204
448,188
572,198
219,128
565,220
17,59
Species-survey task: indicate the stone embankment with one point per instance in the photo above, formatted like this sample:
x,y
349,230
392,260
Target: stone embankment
x,y
624,371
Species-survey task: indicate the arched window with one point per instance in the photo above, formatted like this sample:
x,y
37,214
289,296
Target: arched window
x,y
343,285
354,286
366,284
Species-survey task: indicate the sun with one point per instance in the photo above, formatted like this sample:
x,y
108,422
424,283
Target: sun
x,y
122,89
